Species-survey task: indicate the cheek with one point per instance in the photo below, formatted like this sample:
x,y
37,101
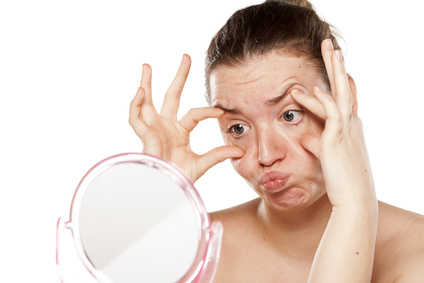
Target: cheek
x,y
242,143
285,139
314,125
242,165
311,125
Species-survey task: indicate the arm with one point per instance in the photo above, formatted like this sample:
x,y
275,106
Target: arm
x,y
164,136
346,251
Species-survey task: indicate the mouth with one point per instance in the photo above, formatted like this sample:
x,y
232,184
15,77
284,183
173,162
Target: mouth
x,y
274,181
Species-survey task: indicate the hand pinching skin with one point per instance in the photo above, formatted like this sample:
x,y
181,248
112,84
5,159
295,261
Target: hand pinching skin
x,y
341,147
164,136
350,188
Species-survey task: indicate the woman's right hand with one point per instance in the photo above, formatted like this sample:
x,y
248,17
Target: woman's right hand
x,y
166,137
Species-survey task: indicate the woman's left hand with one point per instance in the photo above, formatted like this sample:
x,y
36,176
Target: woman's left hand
x,y
341,147
347,247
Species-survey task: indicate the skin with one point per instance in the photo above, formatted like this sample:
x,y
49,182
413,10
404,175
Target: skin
x,y
319,221
269,142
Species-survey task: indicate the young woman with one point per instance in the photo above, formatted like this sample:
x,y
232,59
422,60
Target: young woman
x,y
287,110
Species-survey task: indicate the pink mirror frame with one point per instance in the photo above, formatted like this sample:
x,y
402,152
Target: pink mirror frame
x,y
206,260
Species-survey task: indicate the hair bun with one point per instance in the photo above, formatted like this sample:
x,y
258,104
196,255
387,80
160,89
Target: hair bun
x,y
301,3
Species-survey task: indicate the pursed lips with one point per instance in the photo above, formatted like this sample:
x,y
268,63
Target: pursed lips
x,y
274,181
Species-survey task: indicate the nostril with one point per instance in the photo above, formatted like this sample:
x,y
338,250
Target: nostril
x,y
270,152
266,160
264,156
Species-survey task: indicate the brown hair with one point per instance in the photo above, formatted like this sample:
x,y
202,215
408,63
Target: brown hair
x,y
272,25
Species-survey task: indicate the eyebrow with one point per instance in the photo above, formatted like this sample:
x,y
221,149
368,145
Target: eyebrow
x,y
283,94
227,110
272,101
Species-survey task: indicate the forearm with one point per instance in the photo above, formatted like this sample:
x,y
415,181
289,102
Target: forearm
x,y
346,251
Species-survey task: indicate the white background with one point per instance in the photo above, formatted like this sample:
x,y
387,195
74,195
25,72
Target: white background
x,y
69,69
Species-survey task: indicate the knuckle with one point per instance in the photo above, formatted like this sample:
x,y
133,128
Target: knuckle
x,y
338,117
132,121
192,111
133,104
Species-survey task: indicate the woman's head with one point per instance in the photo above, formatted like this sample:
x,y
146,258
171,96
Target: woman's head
x,y
255,61
257,30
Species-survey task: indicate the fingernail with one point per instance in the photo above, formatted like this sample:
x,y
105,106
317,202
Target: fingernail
x,y
219,111
318,89
295,92
339,55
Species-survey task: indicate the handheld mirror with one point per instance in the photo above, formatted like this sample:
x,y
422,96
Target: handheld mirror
x,y
137,218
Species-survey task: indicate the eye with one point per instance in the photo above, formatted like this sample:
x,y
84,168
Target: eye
x,y
238,129
292,116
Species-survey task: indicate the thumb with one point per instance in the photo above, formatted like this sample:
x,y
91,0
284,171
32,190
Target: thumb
x,y
310,142
217,155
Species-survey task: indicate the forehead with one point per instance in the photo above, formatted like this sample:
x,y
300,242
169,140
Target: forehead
x,y
260,78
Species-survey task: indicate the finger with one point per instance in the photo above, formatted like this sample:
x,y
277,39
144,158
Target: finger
x,y
146,84
217,155
135,119
341,82
172,97
136,103
195,115
309,102
334,122
353,91
311,143
327,50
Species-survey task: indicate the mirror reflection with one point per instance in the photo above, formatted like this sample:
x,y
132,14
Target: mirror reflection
x,y
137,225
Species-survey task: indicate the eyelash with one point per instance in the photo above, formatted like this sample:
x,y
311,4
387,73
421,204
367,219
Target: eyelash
x,y
295,122
231,129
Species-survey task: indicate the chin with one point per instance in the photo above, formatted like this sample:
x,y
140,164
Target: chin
x,y
290,199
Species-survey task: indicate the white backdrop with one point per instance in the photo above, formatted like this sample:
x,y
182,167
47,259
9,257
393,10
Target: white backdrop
x,y
69,69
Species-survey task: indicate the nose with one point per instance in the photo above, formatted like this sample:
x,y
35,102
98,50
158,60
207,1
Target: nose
x,y
271,147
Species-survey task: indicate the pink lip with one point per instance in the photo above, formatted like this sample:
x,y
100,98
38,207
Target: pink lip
x,y
274,181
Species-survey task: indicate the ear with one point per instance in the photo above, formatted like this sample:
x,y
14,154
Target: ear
x,y
352,86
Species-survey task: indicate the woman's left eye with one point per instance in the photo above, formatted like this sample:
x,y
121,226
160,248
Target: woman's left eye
x,y
292,116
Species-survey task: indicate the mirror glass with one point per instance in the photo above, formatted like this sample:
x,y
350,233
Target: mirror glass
x,y
136,224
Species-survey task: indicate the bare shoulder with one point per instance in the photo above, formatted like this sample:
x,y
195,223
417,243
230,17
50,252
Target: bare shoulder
x,y
240,235
234,214
399,255
237,220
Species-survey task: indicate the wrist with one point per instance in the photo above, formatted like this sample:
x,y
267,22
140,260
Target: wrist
x,y
365,210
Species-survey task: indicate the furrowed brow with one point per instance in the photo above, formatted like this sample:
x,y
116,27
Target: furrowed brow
x,y
272,101
227,110
283,94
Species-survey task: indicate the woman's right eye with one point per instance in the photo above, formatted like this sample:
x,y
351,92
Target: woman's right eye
x,y
238,129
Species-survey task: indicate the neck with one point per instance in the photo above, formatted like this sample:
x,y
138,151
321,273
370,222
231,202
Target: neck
x,y
296,232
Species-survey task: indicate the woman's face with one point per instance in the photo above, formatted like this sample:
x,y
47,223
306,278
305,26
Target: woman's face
x,y
262,119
